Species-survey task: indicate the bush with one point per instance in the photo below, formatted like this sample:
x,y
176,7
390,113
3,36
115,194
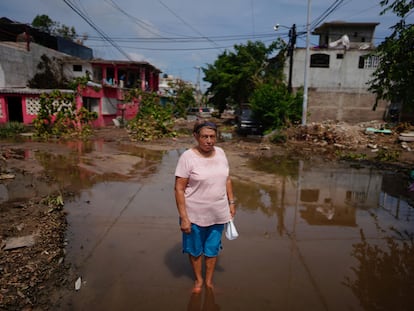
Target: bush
x,y
275,107
12,129
59,117
153,119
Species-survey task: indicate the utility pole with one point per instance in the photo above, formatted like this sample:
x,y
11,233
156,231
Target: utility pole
x,y
198,87
305,82
292,43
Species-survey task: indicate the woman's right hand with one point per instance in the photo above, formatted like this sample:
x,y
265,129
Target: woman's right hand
x,y
185,225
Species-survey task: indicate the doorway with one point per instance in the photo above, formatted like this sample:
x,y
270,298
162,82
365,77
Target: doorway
x,y
14,108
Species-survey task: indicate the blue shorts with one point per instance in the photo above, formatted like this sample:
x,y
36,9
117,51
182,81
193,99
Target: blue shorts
x,y
203,240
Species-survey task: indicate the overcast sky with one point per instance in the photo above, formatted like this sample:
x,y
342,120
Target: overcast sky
x,y
178,36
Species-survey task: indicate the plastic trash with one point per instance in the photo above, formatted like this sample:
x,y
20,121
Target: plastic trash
x,y
78,284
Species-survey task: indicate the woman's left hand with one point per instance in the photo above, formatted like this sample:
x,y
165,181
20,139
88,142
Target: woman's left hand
x,y
232,209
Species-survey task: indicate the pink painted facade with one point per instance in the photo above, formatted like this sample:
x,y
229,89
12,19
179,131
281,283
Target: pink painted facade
x,y
20,105
115,78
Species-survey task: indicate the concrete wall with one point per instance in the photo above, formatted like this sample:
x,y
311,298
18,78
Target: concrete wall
x,y
21,64
69,72
343,105
342,73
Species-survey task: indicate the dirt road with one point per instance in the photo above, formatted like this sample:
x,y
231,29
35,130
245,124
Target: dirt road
x,y
34,272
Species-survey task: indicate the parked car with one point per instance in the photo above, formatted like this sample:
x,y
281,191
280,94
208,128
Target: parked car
x,y
246,124
200,112
204,113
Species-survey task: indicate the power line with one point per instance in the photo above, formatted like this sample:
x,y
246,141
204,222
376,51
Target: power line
x,y
187,24
332,8
173,49
186,39
90,22
135,20
359,12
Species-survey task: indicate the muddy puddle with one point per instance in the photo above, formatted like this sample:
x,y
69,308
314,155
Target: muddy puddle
x,y
312,237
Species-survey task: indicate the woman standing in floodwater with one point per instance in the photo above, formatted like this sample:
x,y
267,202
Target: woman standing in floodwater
x,y
205,201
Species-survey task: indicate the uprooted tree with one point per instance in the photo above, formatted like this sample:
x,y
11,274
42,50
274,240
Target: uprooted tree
x,y
153,119
60,117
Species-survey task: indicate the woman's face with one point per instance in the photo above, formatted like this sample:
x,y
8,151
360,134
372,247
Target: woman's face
x,y
206,139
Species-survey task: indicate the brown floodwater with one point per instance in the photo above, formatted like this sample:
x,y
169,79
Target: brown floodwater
x,y
317,237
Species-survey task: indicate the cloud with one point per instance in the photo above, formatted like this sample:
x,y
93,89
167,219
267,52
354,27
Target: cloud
x,y
213,19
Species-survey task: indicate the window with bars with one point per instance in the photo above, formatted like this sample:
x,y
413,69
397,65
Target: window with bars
x,y
368,61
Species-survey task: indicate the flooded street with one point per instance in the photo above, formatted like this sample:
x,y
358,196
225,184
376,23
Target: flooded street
x,y
312,237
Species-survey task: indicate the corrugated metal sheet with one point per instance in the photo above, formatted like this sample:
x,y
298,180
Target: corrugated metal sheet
x,y
28,91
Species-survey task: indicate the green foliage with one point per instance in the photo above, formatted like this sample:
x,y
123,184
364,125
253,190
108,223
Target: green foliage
x,y
78,82
278,138
11,129
274,106
393,78
66,32
46,24
54,202
385,155
350,156
59,117
153,119
43,23
184,99
235,75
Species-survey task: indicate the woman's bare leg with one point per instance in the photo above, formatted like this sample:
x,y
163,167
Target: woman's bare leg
x,y
210,267
196,264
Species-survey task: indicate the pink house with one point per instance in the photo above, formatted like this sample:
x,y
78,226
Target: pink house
x,y
110,81
104,93
22,60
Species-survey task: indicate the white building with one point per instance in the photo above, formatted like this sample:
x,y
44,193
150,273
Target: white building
x,y
339,70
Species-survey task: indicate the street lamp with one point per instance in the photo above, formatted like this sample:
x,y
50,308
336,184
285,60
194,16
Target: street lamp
x,y
292,43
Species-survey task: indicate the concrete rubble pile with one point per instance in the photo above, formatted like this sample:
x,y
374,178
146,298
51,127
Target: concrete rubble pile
x,y
341,134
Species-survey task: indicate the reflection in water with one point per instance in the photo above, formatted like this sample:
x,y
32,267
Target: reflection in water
x,y
75,171
82,168
384,276
325,195
340,197
267,199
333,234
197,303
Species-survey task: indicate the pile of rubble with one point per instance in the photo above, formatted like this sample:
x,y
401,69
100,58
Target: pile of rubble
x,y
343,135
31,254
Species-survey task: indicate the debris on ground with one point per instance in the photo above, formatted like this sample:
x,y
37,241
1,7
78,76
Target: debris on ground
x,y
31,255
347,136
32,245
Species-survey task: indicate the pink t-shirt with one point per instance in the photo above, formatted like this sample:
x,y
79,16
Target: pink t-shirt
x,y
205,195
